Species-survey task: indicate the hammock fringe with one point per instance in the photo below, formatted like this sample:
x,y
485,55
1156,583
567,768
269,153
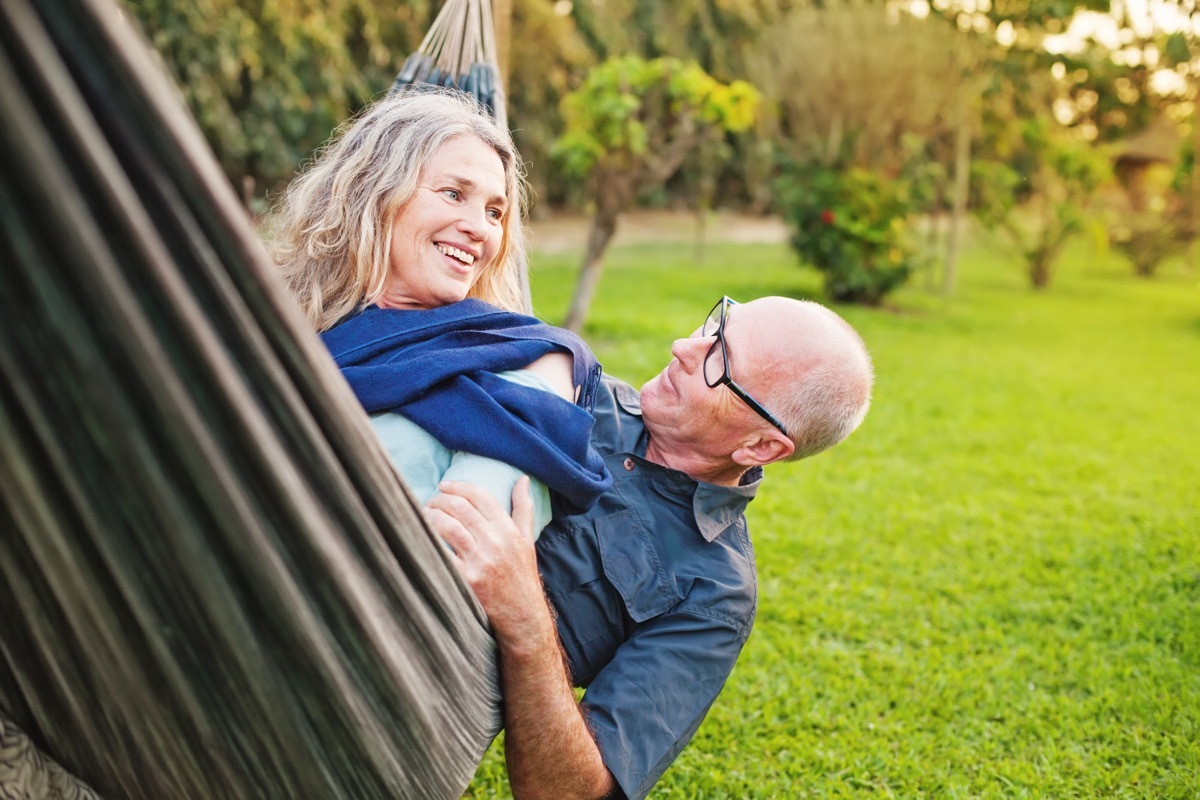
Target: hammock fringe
x,y
459,52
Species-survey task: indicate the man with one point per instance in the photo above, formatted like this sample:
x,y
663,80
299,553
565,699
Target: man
x,y
652,592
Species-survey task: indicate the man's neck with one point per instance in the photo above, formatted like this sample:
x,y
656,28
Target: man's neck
x,y
724,473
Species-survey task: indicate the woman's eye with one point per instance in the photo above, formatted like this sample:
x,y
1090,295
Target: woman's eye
x,y
496,214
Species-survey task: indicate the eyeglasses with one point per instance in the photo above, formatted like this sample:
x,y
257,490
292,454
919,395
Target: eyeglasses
x,y
715,326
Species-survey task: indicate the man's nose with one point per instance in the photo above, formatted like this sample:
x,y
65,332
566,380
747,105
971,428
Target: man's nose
x,y
690,350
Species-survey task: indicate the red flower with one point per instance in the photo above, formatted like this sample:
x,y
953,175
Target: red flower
x,y
827,216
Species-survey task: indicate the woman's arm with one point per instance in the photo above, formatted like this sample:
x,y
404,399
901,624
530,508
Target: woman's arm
x,y
557,370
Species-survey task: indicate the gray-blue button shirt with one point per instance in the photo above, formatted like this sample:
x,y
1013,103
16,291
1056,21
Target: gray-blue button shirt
x,y
655,591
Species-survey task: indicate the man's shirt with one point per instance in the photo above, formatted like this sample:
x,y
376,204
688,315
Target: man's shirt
x,y
655,591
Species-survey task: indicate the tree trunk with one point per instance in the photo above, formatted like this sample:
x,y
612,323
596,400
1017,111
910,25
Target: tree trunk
x,y
604,226
1039,272
933,243
962,178
1195,198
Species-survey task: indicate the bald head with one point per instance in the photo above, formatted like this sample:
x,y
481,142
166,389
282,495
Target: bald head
x,y
821,372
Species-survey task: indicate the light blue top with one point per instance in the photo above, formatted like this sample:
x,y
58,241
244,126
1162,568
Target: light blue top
x,y
425,462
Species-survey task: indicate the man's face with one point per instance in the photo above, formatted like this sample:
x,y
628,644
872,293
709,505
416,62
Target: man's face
x,y
682,411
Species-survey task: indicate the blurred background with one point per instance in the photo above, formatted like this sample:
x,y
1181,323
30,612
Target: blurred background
x,y
877,130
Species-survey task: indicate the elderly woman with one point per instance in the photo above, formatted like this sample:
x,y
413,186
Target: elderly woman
x,y
402,242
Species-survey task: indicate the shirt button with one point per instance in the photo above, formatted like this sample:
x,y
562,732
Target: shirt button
x,y
629,465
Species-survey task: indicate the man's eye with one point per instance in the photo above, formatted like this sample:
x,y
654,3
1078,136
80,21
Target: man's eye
x,y
453,194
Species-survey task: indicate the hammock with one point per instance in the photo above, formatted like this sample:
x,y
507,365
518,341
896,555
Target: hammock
x,y
212,582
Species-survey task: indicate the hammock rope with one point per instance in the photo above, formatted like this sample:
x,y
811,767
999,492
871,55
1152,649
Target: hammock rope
x,y
459,51
212,582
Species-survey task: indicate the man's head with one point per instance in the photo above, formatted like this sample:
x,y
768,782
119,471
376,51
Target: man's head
x,y
799,362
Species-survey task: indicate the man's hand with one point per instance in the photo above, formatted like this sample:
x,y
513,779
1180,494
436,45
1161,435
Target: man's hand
x,y
549,750
495,554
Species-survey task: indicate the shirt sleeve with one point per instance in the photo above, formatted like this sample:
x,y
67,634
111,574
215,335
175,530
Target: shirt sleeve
x,y
648,702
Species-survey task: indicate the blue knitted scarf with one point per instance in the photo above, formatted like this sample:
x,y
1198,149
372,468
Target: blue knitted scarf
x,y
437,368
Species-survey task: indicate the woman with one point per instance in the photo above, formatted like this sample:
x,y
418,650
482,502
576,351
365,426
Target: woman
x,y
403,243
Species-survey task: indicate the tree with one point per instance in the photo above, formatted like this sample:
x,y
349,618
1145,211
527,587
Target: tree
x,y
1154,218
722,37
866,92
268,82
849,80
628,128
549,59
1038,199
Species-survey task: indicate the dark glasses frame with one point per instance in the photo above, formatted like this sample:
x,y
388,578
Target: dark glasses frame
x,y
726,378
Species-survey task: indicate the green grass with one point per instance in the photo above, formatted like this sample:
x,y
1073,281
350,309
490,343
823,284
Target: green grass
x,y
993,588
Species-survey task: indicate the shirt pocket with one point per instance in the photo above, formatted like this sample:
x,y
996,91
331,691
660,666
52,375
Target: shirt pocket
x,y
633,565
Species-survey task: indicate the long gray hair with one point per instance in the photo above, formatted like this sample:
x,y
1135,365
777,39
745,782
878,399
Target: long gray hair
x,y
331,232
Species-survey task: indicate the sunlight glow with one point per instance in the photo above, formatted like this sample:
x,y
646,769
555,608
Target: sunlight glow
x,y
1167,82
1006,35
918,8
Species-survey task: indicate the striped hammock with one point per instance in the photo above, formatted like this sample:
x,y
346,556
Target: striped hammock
x,y
212,582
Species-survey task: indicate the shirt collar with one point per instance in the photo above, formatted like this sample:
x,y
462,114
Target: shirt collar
x,y
718,507
715,508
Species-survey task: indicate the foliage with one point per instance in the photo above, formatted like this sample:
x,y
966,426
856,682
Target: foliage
x,y
548,60
720,37
629,127
1039,199
851,226
268,82
851,82
1148,238
848,79
1155,220
992,590
634,115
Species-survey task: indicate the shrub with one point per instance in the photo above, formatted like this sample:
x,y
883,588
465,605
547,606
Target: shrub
x,y
850,225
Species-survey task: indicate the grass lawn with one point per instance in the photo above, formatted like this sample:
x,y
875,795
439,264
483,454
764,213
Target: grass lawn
x,y
993,588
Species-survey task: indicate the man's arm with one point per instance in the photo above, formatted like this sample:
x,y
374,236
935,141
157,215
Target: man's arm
x,y
548,748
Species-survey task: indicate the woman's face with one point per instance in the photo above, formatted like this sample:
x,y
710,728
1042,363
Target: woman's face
x,y
450,230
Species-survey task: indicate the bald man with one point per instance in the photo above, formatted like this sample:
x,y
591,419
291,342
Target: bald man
x,y
647,599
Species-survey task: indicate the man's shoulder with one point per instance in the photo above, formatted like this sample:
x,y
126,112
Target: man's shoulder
x,y
621,395
618,414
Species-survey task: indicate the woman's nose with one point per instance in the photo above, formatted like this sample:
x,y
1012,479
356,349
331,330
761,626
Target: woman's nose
x,y
474,223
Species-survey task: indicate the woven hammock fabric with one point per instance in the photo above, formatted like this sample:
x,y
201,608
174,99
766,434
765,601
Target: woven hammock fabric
x,y
212,582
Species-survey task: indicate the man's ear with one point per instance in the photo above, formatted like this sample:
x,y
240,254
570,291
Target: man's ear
x,y
763,449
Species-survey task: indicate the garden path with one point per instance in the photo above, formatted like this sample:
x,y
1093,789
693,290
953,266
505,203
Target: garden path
x,y
565,232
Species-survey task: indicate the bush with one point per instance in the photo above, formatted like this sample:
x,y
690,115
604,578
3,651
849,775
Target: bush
x,y
850,225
